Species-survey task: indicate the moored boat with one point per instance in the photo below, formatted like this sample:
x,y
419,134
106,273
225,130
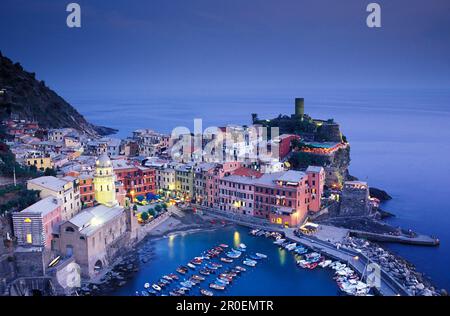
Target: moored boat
x,y
253,232
206,292
198,277
204,272
261,255
233,254
173,276
227,260
250,263
279,241
255,257
221,282
216,286
291,246
190,265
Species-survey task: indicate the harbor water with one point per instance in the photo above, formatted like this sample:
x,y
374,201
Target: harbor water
x,y
276,275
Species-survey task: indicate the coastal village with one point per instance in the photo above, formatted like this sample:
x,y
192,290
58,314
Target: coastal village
x,y
98,197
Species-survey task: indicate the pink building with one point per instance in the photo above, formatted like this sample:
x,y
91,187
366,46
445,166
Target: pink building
x,y
316,180
284,144
237,191
285,198
212,180
34,226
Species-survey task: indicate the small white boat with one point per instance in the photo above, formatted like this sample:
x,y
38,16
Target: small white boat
x,y
325,263
146,285
190,265
243,246
254,232
279,241
291,247
261,255
250,263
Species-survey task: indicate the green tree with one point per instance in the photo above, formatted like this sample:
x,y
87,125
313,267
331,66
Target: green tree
x,y
50,172
152,212
164,206
158,208
145,216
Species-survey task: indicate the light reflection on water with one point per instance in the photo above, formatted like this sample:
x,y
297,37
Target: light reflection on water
x,y
278,269
282,256
236,239
171,246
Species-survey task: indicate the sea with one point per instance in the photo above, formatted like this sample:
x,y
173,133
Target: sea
x,y
400,142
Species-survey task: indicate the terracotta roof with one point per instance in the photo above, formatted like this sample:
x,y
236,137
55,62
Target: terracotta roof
x,y
247,172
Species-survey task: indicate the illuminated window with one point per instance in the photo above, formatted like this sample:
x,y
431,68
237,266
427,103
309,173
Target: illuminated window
x,y
29,239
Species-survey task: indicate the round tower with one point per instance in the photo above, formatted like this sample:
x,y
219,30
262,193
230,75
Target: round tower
x,y
299,107
104,181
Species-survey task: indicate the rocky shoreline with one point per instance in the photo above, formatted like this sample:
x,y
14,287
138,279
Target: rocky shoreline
x,y
401,270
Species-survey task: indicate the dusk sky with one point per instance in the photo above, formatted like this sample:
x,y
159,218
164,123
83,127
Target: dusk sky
x,y
236,46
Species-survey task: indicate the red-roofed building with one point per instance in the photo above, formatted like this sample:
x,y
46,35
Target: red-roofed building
x,y
247,172
284,144
137,180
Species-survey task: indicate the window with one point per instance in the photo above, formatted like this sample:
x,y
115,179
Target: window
x,y
29,239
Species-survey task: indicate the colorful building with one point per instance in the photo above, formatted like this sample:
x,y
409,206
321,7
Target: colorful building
x,y
213,180
137,180
316,181
94,236
40,160
66,189
35,225
284,144
237,191
87,191
184,181
104,181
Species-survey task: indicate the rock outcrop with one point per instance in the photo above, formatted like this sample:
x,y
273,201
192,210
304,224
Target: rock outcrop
x,y
22,96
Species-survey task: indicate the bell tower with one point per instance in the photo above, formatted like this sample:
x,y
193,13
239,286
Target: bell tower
x,y
104,181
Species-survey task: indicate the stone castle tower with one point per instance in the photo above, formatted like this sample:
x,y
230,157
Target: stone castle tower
x,y
104,181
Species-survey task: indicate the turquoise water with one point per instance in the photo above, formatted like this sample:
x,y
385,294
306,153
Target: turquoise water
x,y
276,275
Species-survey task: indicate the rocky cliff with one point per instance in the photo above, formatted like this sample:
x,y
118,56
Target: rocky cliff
x,y
23,96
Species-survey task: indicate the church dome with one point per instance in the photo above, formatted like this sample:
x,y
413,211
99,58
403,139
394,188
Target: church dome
x,y
103,161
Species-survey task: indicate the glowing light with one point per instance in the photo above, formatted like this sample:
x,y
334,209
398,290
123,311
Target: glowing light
x,y
171,239
27,220
96,221
282,256
236,239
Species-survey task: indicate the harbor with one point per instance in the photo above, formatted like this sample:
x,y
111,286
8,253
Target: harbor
x,y
278,273
396,277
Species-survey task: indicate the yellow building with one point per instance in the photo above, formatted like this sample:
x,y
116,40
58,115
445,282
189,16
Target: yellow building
x,y
104,182
41,162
